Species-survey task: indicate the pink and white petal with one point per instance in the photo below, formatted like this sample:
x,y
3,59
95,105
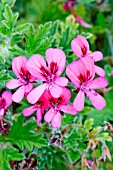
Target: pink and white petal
x,y
76,48
56,121
78,103
29,111
1,112
19,94
36,93
28,87
61,81
17,64
99,82
55,55
99,71
66,95
38,116
8,98
49,115
55,90
68,109
14,83
34,65
97,100
97,56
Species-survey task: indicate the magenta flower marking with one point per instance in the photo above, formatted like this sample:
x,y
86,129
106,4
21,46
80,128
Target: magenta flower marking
x,y
5,102
80,47
24,79
38,107
81,72
50,75
57,106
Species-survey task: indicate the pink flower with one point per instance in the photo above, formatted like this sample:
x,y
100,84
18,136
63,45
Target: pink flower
x,y
5,102
82,22
38,107
57,106
112,73
36,65
69,4
80,47
89,162
24,79
81,72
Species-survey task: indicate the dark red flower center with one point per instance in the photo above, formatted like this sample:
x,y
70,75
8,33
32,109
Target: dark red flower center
x,y
84,50
25,75
84,78
2,104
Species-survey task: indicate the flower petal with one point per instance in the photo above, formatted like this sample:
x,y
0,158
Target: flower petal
x,y
55,90
79,101
19,94
8,98
68,109
38,116
56,121
56,56
99,82
1,112
36,93
66,95
61,81
14,83
28,87
80,46
97,56
34,65
29,111
97,100
17,64
99,71
49,115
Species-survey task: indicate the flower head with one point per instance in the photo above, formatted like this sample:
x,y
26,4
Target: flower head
x,y
49,74
24,79
57,106
5,102
81,72
38,107
80,47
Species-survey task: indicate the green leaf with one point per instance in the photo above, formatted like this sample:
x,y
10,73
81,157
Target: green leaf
x,y
22,28
4,77
88,124
7,154
105,136
108,76
23,135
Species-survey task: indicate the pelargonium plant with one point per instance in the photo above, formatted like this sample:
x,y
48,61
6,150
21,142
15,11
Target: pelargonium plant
x,y
49,84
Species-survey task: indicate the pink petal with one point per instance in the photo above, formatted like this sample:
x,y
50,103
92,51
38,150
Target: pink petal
x,y
54,55
82,22
99,71
97,55
14,83
49,115
55,90
17,64
99,82
29,111
61,81
36,93
66,95
19,94
34,64
68,109
1,112
28,87
44,100
78,45
56,121
38,116
79,101
97,100
8,98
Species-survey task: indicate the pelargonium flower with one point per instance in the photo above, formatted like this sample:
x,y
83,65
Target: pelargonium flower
x,y
80,47
80,20
50,75
38,107
81,72
5,102
57,106
69,4
24,79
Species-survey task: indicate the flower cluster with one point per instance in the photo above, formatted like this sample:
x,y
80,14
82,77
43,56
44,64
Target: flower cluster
x,y
52,95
